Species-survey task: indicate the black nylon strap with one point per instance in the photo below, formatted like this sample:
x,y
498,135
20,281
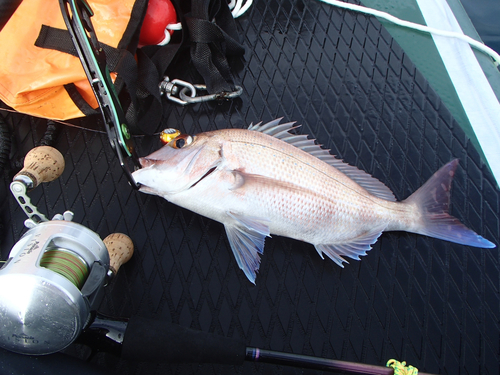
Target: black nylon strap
x,y
153,62
77,98
212,43
60,40
130,38
57,39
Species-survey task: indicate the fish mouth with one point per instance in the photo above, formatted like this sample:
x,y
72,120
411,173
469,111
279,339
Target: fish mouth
x,y
146,162
186,165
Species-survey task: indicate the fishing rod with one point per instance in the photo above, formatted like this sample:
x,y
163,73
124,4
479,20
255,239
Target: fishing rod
x,y
147,340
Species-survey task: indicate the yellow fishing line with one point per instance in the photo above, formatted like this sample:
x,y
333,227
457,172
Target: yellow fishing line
x,y
400,368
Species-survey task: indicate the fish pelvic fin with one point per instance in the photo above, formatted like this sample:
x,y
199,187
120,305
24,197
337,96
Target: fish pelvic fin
x,y
246,237
433,200
353,249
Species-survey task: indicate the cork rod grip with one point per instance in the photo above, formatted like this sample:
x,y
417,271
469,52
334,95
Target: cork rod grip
x,y
42,164
120,248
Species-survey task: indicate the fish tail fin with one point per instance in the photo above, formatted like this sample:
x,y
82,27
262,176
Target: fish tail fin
x,y
433,200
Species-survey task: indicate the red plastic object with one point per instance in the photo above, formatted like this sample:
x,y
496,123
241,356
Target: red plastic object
x,y
159,14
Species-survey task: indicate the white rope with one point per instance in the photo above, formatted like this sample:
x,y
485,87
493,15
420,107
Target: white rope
x,y
474,43
237,7
174,26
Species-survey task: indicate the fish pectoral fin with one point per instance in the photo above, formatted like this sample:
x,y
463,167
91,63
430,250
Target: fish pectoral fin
x,y
353,249
246,236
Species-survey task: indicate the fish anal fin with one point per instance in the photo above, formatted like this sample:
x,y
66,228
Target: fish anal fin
x,y
246,237
354,248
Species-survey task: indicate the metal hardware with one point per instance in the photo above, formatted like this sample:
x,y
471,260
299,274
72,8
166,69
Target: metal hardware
x,y
183,93
19,189
170,88
205,98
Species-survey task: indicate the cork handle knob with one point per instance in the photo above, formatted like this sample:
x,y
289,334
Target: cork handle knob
x,y
120,248
42,164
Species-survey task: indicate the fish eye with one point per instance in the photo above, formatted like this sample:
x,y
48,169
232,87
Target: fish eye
x,y
180,141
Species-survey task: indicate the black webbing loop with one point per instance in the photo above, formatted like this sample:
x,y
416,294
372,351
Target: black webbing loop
x,y
212,43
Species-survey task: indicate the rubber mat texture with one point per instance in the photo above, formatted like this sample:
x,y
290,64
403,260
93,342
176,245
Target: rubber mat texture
x,y
431,303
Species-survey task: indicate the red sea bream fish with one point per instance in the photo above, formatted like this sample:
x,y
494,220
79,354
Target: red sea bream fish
x,y
265,180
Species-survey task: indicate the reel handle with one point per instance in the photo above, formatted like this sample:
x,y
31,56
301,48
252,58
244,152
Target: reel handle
x,y
41,164
120,248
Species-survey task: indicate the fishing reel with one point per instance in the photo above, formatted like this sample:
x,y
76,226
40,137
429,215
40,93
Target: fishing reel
x,y
55,274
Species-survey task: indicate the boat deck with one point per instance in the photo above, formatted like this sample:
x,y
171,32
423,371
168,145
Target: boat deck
x,y
433,304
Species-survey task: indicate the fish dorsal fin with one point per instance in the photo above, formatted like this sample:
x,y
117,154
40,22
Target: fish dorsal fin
x,y
301,141
353,249
246,237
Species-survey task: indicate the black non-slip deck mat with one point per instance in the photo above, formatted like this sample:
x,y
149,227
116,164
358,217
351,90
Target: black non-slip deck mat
x,y
340,74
